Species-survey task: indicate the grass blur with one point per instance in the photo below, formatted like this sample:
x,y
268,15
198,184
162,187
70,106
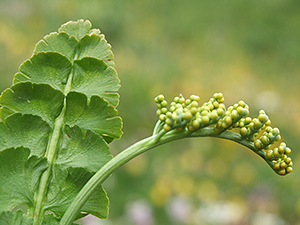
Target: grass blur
x,y
247,50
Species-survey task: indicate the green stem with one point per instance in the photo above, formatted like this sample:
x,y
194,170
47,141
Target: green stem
x,y
103,174
133,151
51,153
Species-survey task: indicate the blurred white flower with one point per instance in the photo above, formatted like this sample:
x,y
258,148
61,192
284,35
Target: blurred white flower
x,y
220,213
140,212
179,209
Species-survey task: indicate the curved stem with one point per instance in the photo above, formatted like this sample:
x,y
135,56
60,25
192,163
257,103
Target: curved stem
x,y
135,150
103,174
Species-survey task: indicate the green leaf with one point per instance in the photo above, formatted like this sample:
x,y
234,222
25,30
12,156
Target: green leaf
x,y
50,219
58,42
77,29
17,218
90,75
92,44
97,47
96,116
90,151
35,99
62,106
93,77
50,67
60,197
5,112
24,130
19,177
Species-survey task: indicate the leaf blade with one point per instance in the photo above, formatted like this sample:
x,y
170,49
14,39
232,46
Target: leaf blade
x,y
31,98
97,204
45,67
17,218
19,176
90,152
97,47
96,116
58,42
78,28
24,130
94,77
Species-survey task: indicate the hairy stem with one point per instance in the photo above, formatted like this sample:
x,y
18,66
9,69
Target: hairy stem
x,y
133,151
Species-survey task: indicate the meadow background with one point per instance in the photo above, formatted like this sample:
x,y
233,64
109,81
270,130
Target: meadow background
x,y
247,50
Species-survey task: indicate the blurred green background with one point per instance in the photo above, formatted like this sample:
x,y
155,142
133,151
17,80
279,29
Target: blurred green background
x,y
247,50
